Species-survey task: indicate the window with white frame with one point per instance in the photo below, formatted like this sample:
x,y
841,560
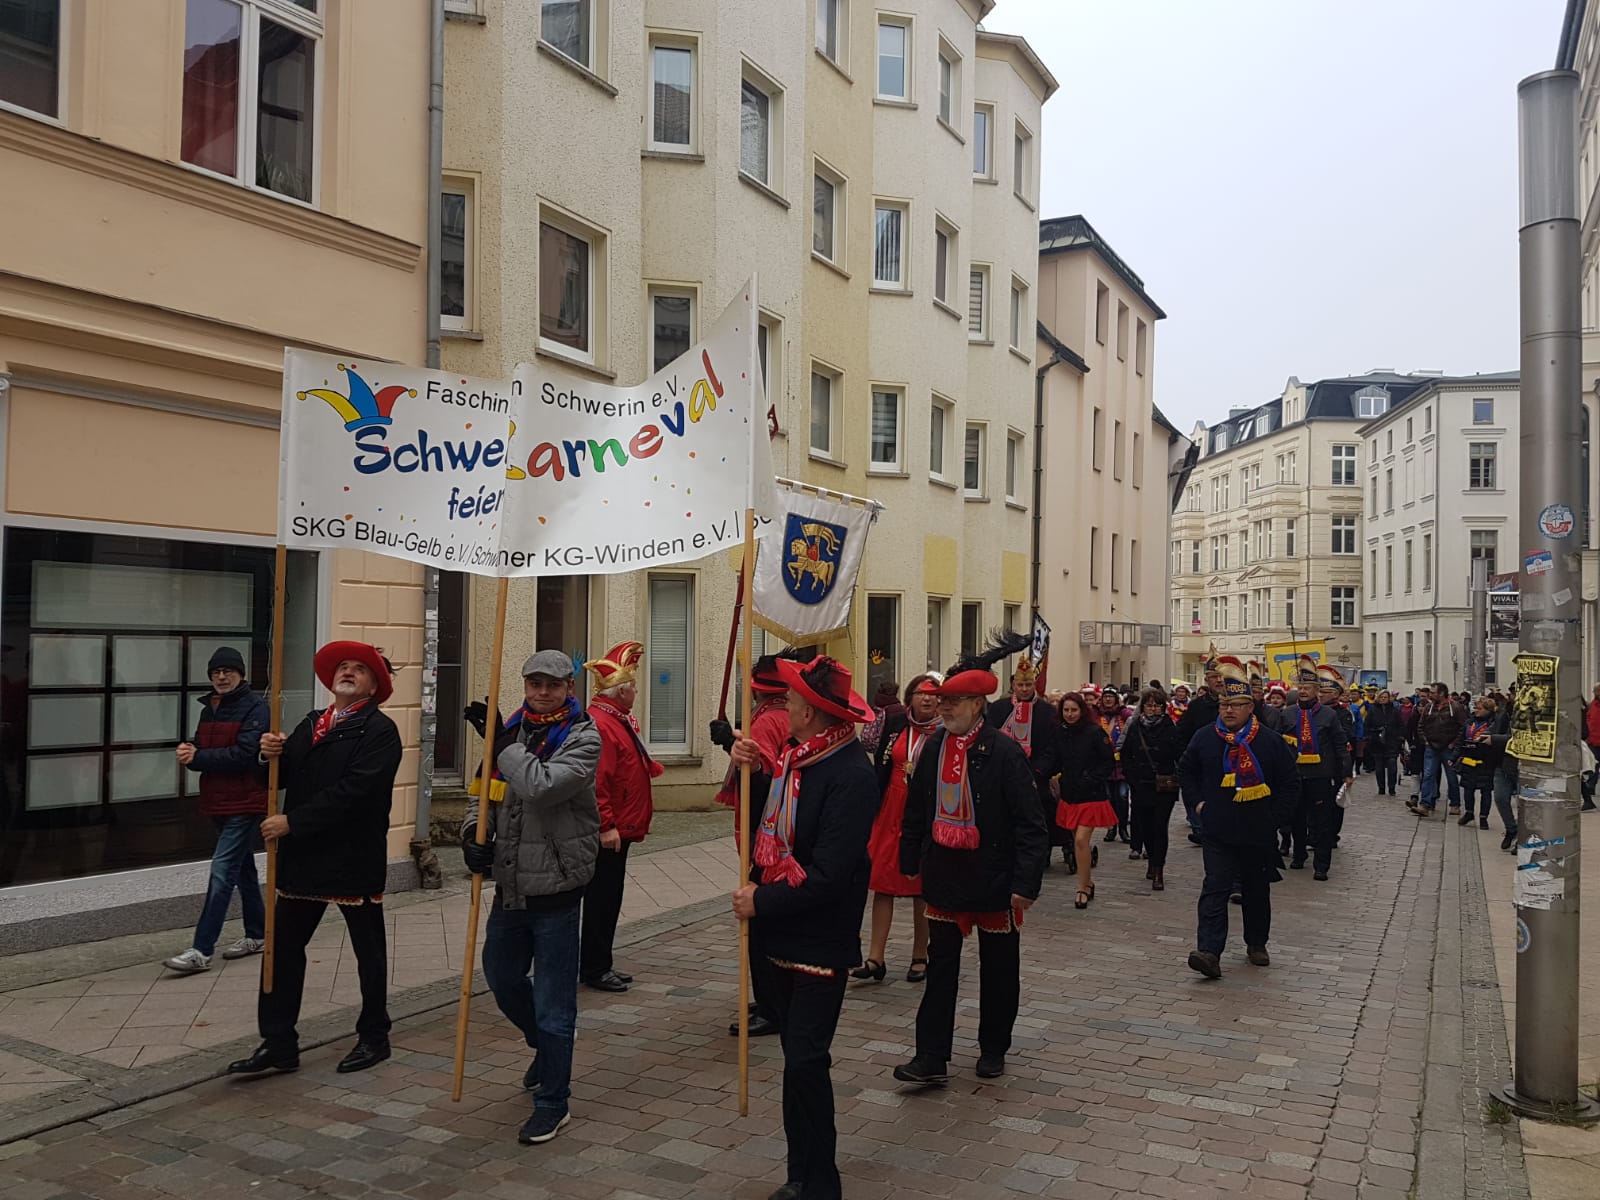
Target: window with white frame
x,y
1372,574
1194,556
827,213
30,56
940,423
1014,468
1019,312
983,141
1388,569
669,700
1094,556
978,304
890,219
888,410
894,58
938,615
1427,562
1097,443
1138,460
946,258
824,409
1408,566
971,626
1122,332
1116,449
973,454
1218,548
1175,558
1022,162
671,324
769,350
949,83
573,27
1427,653
1288,537
1102,312
1372,500
760,128
1388,489
1342,607
568,274
250,93
672,123
1133,566
1288,607
1480,466
457,250
1484,544
1116,554
1482,412
1427,420
1343,540
1344,466
1141,346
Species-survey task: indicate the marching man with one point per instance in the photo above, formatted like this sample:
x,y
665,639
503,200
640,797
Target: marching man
x,y
1033,726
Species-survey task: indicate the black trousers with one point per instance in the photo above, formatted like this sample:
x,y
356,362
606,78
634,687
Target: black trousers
x,y
278,1012
602,906
1152,813
808,1013
1319,821
1247,869
999,991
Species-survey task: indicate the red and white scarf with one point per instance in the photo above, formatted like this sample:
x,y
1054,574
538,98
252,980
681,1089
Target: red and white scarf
x,y
917,735
774,852
328,719
1019,725
955,819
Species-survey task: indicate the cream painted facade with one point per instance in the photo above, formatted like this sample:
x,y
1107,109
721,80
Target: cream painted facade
x,y
145,303
546,128
1109,464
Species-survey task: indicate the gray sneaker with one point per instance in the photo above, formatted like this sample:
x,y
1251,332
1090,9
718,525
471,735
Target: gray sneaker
x,y
244,948
190,962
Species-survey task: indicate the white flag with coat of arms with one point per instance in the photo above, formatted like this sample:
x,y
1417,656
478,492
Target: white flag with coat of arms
x,y
806,566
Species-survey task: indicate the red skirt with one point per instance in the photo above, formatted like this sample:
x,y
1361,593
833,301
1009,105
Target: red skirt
x,y
1091,814
883,847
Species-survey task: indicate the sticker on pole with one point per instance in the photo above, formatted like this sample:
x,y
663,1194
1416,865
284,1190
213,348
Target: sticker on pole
x,y
1524,938
1539,562
1555,521
1533,713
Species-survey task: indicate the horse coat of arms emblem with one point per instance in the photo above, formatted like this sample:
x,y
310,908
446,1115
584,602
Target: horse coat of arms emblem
x,y
812,562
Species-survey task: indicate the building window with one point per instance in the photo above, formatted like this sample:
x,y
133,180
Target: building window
x,y
883,641
1427,653
1388,442
1288,537
1480,465
939,424
1194,556
1227,484
449,743
1022,163
1141,346
457,251
888,405
567,276
1485,544
1388,489
978,304
1014,446
1288,607
1175,558
949,83
1094,556
1427,420
1408,566
971,626
1122,332
769,349
827,214
824,401
1019,311
1216,553
983,141
833,27
972,460
1427,561
888,246
1116,547
1344,466
760,128
570,26
1133,566
1102,311
671,325
938,611
1372,574
1138,460
894,60
671,653
672,94
1343,607
1408,439
1388,655
1244,612
1344,535
1097,444
1388,570
250,93
1482,412
1374,650
946,259
1411,656
1116,449
30,56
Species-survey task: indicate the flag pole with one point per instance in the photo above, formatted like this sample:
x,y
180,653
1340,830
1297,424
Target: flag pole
x,y
280,565
733,637
491,728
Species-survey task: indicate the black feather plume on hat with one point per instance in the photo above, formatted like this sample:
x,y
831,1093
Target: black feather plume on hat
x,y
1003,643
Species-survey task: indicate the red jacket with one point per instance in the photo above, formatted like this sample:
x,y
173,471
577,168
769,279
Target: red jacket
x,y
622,783
1591,723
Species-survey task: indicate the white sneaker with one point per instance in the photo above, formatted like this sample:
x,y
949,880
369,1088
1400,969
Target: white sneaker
x,y
189,962
244,948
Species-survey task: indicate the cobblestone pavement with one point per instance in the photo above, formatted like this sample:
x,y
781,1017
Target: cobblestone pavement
x,y
1130,1076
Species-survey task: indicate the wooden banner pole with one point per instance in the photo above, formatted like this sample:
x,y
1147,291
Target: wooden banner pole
x,y
727,666
280,566
491,728
746,704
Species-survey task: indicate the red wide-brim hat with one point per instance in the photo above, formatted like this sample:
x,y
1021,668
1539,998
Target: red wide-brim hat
x,y
847,708
969,683
327,661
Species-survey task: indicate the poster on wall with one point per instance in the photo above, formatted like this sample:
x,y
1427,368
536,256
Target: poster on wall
x,y
548,473
1533,713
1505,617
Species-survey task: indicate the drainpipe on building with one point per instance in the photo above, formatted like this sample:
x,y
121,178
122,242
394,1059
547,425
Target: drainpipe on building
x,y
1038,471
429,875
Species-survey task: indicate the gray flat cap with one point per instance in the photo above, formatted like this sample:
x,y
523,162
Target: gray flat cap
x,y
555,663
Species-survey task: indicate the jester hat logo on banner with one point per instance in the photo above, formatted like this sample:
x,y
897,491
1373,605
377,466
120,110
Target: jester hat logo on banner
x,y
363,407
812,565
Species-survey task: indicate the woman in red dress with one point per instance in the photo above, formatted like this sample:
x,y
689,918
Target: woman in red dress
x,y
903,736
1084,760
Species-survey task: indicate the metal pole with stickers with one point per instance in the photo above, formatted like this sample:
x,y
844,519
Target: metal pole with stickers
x,y
1545,735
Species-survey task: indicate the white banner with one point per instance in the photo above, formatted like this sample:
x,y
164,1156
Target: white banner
x,y
551,473
806,567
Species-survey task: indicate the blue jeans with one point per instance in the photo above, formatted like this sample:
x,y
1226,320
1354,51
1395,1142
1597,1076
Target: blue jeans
x,y
233,864
1434,761
544,1008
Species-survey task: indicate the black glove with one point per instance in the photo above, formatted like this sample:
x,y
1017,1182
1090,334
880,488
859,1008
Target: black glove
x,y
477,715
722,734
479,858
506,737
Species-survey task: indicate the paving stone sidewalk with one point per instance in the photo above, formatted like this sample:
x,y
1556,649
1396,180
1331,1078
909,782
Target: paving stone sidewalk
x,y
1130,1075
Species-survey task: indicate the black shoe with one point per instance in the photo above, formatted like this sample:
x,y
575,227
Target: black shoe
x,y
530,1077
624,976
1465,821
1298,864
609,982
1588,806
1320,875
1236,898
789,1191
1258,956
1094,856
1483,822
1206,964
870,969
1194,839
542,1127
1509,842
759,1027
1111,835
365,1054
1135,855
991,1066
266,1059
1150,871
922,1070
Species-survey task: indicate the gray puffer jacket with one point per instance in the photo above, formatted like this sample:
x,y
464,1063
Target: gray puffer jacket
x,y
547,830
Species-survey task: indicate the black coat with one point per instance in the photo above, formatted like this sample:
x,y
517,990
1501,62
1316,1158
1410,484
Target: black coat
x,y
337,795
1202,711
1014,842
1333,742
1383,730
1084,761
1249,823
1042,738
1148,751
818,923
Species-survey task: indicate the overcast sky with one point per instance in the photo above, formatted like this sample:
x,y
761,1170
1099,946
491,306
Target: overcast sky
x,y
1307,187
